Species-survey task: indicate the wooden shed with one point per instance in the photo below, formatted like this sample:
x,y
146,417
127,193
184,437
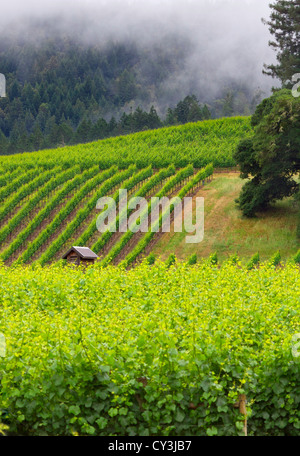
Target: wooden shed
x,y
80,255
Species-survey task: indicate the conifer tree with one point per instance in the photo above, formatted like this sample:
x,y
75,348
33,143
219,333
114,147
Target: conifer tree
x,y
284,25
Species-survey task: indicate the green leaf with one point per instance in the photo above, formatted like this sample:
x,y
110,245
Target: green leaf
x,y
2,346
212,431
123,411
21,418
102,422
265,415
88,429
74,409
179,416
113,412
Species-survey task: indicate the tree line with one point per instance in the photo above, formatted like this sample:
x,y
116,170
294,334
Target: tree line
x,y
60,92
43,132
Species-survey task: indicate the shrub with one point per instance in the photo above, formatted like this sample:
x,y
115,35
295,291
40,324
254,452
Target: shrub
x,y
151,258
193,259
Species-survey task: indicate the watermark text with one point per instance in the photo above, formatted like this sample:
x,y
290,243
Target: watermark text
x,y
140,215
2,86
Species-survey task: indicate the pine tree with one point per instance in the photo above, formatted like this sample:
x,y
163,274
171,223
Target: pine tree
x,y
284,25
3,143
153,118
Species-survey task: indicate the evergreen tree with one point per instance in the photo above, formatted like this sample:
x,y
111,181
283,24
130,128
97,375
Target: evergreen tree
x,y
84,132
37,138
153,119
112,126
100,129
126,87
3,143
43,116
206,114
284,25
170,117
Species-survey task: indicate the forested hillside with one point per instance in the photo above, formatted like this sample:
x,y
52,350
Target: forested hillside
x,y
60,92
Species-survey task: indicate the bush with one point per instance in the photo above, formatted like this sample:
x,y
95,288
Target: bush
x,y
171,260
254,261
297,257
214,258
275,259
151,258
193,259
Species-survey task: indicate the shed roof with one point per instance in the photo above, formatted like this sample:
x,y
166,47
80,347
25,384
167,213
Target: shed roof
x,y
83,252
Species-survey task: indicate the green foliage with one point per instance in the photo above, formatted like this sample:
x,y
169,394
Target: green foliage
x,y
149,351
254,261
214,258
107,182
71,181
155,180
275,260
15,181
188,110
3,429
90,178
26,190
171,184
171,260
199,143
68,90
53,196
271,157
297,257
284,26
193,259
42,193
128,184
245,156
297,201
233,259
151,258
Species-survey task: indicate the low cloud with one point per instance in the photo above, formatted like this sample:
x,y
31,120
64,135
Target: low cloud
x,y
225,40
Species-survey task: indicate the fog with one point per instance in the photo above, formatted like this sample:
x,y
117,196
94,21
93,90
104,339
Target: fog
x,y
225,40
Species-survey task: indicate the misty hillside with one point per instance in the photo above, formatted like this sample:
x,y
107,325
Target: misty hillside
x,y
73,79
53,90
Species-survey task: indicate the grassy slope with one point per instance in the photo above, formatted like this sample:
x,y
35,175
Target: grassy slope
x,y
227,232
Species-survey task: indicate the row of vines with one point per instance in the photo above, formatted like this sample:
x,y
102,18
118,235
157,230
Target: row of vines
x,y
197,143
166,349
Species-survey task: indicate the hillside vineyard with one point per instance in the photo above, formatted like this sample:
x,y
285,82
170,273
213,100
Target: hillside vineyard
x,y
48,198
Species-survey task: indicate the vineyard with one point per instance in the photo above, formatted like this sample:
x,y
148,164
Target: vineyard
x,y
134,345
154,350
48,198
198,143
